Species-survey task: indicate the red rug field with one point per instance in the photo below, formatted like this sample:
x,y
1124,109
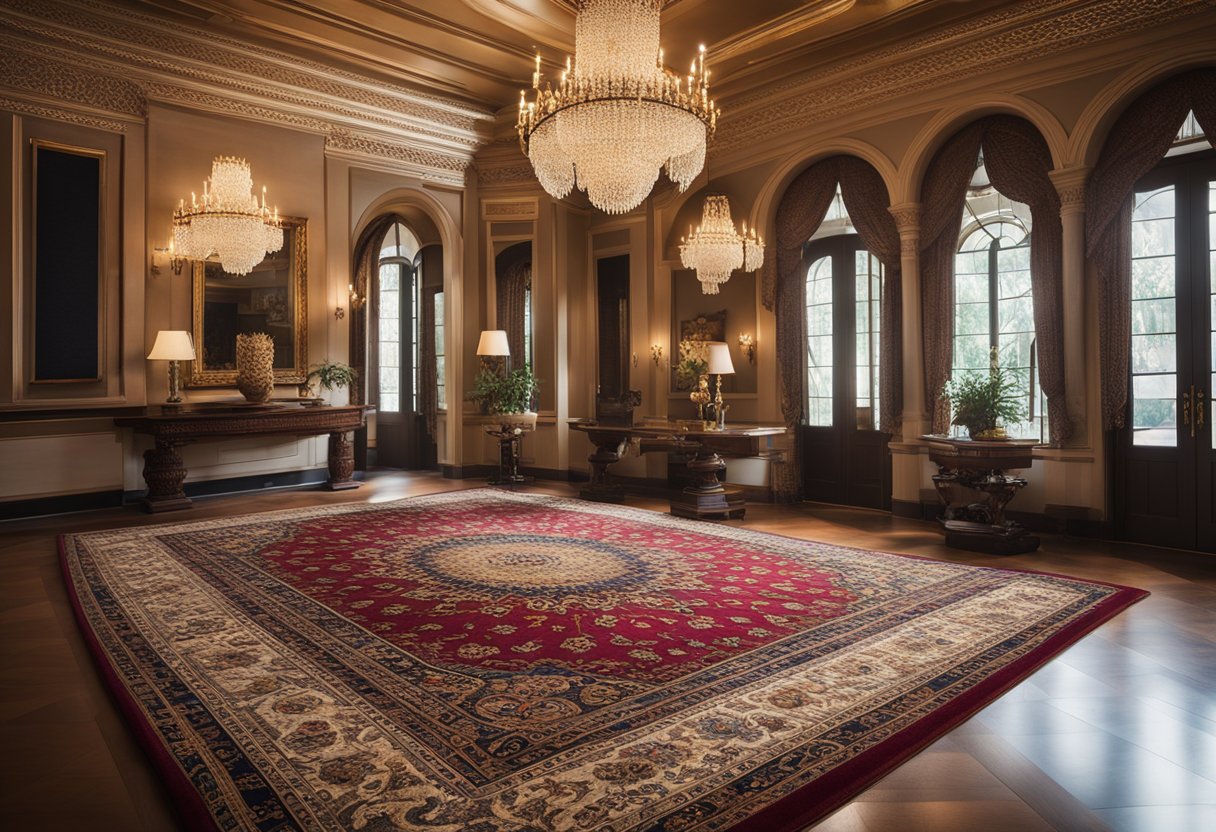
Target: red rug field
x,y
483,661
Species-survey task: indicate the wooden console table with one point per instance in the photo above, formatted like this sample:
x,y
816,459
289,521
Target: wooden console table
x,y
705,496
968,465
173,426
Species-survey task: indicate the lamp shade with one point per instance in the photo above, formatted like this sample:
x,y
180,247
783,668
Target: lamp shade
x,y
173,345
719,359
493,342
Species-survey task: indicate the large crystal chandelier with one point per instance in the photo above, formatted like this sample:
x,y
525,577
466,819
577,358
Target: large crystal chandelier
x,y
618,114
229,222
716,249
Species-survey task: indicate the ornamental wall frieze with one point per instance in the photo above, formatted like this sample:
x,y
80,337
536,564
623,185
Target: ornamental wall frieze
x,y
33,74
1017,35
184,52
28,108
430,165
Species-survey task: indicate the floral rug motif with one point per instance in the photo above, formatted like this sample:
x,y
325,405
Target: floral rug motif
x,y
485,661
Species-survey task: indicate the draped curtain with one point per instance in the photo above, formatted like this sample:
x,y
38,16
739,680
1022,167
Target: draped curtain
x,y
1018,162
1134,146
783,286
512,295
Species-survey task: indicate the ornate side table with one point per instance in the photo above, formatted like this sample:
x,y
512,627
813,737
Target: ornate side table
x,y
968,469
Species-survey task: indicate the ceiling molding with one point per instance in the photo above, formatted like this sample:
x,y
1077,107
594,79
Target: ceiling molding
x,y
81,52
1025,32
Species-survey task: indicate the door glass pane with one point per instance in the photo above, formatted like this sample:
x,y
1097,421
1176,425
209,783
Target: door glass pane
x,y
412,288
389,352
819,343
440,356
1154,328
867,300
1212,288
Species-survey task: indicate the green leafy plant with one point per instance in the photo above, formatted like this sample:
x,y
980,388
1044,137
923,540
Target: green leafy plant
x,y
333,375
983,400
510,393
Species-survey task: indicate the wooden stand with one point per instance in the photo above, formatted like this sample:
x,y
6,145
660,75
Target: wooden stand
x,y
706,496
172,427
967,467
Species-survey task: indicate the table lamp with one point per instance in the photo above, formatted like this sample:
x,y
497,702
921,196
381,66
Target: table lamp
x,y
493,348
173,345
719,364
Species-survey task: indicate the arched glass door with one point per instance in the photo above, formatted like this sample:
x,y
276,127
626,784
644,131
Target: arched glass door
x,y
845,457
1165,466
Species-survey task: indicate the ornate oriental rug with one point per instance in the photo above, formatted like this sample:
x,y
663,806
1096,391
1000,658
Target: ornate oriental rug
x,y
485,661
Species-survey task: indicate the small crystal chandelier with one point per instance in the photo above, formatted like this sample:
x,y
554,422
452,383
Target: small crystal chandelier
x,y
229,222
716,249
618,114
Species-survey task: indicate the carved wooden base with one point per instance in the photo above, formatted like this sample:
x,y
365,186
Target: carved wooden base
x,y
602,489
705,496
981,526
341,463
164,472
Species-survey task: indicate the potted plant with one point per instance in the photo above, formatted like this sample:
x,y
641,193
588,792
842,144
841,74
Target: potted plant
x,y
330,376
983,401
507,396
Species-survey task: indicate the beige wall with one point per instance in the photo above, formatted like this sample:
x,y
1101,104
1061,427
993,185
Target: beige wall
x,y
1072,97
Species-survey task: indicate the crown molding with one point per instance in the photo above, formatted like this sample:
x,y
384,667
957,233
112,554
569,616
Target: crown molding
x,y
1006,40
57,112
85,52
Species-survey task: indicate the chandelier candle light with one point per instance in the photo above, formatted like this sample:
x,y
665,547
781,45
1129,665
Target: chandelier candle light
x,y
716,249
618,114
228,222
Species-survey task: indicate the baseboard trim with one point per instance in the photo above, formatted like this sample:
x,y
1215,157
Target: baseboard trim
x,y
61,504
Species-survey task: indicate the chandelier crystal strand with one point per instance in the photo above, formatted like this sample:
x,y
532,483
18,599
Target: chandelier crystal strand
x,y
715,248
617,115
229,222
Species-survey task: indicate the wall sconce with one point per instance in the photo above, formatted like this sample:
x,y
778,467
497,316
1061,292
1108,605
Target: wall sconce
x,y
175,262
748,346
356,300
656,354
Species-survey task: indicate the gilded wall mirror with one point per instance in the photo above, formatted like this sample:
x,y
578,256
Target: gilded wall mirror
x,y
273,298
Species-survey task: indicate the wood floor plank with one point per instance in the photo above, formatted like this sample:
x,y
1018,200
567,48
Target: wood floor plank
x,y
1116,733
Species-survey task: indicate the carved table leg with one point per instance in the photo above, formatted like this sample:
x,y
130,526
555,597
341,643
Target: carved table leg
x,y
705,496
341,463
601,488
164,473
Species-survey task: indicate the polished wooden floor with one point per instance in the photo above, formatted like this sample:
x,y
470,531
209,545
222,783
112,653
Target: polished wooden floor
x,y
1118,732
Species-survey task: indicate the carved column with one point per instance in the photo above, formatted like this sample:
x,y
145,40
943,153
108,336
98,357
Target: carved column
x,y
1070,182
341,462
164,473
916,415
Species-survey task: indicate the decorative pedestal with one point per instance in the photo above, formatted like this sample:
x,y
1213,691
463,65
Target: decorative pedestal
x,y
967,468
609,448
706,496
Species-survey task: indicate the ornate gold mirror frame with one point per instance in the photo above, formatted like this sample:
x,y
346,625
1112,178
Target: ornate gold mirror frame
x,y
273,298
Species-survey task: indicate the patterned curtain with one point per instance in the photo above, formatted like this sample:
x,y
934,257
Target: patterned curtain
x,y
512,295
1018,161
866,200
942,195
1136,143
363,323
783,286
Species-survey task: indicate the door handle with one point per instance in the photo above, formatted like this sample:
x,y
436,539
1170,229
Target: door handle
x,y
1199,412
1187,399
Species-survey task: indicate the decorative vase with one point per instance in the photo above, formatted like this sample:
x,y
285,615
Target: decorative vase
x,y
255,366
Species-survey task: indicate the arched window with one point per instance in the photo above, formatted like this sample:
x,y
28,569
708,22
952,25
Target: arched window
x,y
397,309
993,300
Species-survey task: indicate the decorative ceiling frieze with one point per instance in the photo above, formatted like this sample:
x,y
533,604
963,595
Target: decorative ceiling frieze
x,y
93,55
1002,40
